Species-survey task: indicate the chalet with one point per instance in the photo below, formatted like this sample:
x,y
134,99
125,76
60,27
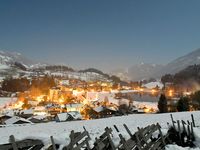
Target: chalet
x,y
103,112
26,113
40,110
17,120
74,107
38,119
33,102
75,115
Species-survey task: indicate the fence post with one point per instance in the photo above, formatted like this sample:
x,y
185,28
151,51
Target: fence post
x,y
183,123
189,132
53,143
172,121
12,140
179,131
159,128
193,120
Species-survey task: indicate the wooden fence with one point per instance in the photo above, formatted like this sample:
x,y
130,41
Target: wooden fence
x,y
181,132
142,139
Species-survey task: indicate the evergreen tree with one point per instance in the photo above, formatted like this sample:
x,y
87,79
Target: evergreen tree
x,y
183,104
196,97
162,104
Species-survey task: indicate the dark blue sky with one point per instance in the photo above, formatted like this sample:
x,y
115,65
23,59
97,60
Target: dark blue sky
x,y
106,34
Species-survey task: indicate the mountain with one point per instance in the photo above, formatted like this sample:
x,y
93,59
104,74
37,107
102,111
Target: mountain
x,y
180,63
121,73
146,71
137,72
13,63
9,58
143,71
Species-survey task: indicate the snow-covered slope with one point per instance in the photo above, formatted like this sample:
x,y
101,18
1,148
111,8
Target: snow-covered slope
x,y
146,71
61,131
8,58
181,63
143,71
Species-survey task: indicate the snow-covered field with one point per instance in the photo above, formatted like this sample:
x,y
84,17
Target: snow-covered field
x,y
6,101
61,131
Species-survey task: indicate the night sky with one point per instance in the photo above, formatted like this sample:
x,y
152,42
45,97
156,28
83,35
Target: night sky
x,y
106,34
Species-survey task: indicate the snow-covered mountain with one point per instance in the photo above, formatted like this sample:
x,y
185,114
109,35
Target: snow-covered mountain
x,y
13,63
146,71
180,63
143,71
9,58
138,72
121,73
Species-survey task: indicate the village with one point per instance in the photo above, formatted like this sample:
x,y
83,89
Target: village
x,y
66,97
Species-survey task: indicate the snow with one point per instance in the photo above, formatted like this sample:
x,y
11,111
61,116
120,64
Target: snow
x,y
98,109
3,67
102,96
6,101
176,147
75,114
14,119
62,116
61,131
39,117
153,85
28,111
149,105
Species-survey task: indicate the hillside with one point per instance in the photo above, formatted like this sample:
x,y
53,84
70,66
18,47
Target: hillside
x,y
61,131
181,63
9,58
146,71
188,78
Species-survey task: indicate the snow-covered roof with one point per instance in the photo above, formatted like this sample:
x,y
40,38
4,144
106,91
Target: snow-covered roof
x,y
153,85
65,116
39,117
28,111
98,109
15,119
75,105
75,114
62,116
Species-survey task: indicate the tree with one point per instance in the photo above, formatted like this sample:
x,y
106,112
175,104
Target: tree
x,y
196,97
183,104
162,104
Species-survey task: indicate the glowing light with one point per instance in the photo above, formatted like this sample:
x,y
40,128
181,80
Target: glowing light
x,y
39,98
18,104
187,93
141,89
171,92
61,100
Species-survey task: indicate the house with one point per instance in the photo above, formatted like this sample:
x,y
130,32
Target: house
x,y
40,110
61,117
17,120
103,112
38,119
74,107
33,102
3,118
26,113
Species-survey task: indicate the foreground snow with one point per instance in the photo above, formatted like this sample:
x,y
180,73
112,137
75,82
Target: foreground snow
x,y
61,131
6,101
